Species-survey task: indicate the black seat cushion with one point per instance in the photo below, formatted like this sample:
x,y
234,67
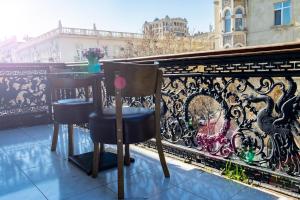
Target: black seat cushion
x,y
138,125
72,111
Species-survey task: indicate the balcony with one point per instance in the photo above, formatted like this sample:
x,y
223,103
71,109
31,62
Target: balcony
x,y
250,129
234,39
29,170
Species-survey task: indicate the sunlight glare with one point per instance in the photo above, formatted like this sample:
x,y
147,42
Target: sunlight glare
x,y
13,17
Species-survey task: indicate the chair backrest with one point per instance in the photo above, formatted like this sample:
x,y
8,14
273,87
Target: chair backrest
x,y
135,80
61,85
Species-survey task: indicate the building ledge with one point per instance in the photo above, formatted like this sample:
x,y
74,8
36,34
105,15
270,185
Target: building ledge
x,y
281,27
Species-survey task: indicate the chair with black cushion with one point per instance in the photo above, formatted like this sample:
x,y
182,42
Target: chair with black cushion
x,y
67,107
123,125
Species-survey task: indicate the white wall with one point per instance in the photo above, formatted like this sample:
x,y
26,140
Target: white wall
x,y
261,29
68,48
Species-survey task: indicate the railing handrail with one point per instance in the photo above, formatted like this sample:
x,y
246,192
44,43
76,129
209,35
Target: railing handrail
x,y
30,65
99,32
228,53
63,31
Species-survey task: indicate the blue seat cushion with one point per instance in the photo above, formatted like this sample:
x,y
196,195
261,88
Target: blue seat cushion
x,y
72,111
138,125
71,102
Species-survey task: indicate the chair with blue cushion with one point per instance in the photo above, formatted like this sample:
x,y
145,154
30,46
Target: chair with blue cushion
x,y
67,107
123,125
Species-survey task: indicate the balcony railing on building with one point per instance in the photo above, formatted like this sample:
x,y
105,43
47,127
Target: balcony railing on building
x,y
235,39
236,106
83,32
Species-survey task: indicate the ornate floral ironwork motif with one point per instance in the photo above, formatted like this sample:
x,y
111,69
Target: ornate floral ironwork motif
x,y
261,113
23,91
279,127
24,98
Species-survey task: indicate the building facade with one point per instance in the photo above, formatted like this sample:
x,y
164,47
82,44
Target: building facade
x,y
161,27
65,44
241,23
7,49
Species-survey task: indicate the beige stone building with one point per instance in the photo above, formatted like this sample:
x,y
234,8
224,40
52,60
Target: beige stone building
x,y
171,35
64,44
256,22
161,27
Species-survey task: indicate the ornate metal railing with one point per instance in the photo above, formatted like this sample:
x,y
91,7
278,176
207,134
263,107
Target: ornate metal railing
x,y
23,94
240,106
256,120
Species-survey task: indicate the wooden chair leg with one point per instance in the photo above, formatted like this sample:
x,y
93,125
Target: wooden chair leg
x,y
101,148
119,127
127,155
120,171
162,156
55,137
96,156
71,139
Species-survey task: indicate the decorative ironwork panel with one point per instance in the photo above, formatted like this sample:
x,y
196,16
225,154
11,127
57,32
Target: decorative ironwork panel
x,y
255,120
180,69
24,98
23,92
241,68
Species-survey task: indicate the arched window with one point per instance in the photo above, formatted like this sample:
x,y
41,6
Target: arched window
x,y
227,46
227,21
239,20
238,45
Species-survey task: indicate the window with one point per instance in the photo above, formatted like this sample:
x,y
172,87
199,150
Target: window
x,y
227,21
239,20
282,13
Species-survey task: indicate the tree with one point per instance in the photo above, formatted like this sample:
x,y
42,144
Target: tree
x,y
152,44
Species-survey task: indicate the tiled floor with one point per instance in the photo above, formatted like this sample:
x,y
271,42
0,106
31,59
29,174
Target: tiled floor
x,y
29,170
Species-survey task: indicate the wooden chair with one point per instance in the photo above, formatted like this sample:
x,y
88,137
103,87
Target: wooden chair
x,y
127,125
67,107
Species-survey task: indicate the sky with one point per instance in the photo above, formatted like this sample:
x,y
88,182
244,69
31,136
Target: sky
x,y
34,17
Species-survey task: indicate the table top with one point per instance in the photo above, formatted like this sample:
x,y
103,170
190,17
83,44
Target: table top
x,y
76,75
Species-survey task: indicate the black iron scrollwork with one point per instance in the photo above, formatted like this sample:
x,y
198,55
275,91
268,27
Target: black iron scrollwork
x,y
260,118
23,92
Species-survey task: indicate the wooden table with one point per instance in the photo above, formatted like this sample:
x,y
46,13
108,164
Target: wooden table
x,y
84,161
